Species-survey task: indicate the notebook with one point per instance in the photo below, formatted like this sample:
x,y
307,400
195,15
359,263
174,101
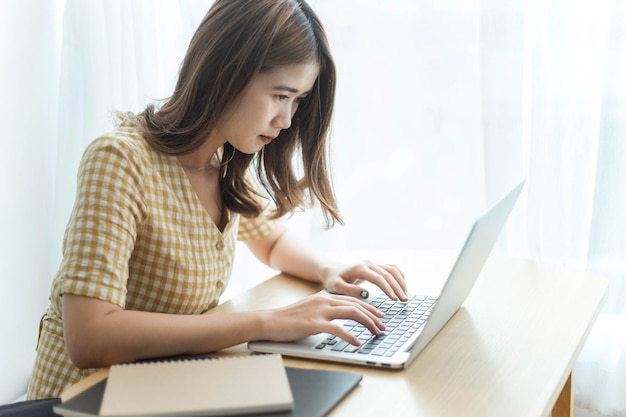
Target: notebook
x,y
409,326
315,394
196,387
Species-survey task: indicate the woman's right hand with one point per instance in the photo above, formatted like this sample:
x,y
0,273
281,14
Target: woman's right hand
x,y
315,314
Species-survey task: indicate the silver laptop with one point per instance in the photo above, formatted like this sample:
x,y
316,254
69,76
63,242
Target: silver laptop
x,y
411,325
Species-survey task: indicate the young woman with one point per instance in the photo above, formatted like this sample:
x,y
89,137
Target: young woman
x,y
162,199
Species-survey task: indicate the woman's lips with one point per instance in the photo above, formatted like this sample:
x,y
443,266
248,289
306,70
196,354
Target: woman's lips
x,y
266,139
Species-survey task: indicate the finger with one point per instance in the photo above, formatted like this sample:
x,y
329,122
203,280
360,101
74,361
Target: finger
x,y
354,312
352,290
384,280
348,300
393,279
340,331
397,273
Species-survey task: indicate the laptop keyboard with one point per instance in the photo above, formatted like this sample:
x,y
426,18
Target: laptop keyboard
x,y
402,320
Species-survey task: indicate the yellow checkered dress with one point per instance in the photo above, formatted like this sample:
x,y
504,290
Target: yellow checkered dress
x,y
138,237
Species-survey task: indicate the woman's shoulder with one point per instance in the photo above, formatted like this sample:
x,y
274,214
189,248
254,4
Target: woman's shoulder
x,y
124,142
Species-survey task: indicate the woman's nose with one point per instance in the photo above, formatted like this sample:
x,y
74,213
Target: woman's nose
x,y
283,118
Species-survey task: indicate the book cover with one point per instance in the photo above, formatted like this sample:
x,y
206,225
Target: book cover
x,y
198,387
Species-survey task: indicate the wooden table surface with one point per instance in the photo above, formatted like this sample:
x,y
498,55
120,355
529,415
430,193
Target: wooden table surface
x,y
509,351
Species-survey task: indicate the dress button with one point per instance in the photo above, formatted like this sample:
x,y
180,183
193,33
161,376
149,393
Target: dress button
x,y
219,245
219,284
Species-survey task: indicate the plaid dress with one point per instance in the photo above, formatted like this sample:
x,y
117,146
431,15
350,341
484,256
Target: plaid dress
x,y
138,237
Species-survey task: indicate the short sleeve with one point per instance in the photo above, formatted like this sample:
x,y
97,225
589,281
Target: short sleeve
x,y
254,228
100,235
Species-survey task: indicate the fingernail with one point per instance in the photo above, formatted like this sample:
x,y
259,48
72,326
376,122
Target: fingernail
x,y
364,294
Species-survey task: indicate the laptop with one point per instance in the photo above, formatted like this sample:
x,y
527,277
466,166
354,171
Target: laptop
x,y
411,325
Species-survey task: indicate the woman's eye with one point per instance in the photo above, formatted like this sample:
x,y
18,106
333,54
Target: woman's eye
x,y
282,97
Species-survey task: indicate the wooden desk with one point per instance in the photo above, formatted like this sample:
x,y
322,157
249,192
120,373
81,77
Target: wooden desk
x,y
509,351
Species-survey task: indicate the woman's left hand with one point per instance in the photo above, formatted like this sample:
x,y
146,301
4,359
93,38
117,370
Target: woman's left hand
x,y
344,280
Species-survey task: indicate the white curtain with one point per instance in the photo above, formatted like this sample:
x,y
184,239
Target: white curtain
x,y
442,106
29,68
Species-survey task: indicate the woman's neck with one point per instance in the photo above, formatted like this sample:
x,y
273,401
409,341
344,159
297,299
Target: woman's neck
x,y
203,159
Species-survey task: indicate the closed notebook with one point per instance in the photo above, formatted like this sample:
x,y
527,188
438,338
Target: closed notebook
x,y
199,387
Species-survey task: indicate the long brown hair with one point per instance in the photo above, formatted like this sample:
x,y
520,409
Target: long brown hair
x,y
236,40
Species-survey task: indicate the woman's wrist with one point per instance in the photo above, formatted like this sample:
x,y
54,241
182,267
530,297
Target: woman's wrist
x,y
260,325
324,273
329,273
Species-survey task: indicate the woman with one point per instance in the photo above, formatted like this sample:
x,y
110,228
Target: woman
x,y
162,199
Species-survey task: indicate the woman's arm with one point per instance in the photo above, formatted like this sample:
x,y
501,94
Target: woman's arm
x,y
283,251
99,333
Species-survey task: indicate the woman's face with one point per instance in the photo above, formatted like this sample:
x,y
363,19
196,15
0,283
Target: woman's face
x,y
266,106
